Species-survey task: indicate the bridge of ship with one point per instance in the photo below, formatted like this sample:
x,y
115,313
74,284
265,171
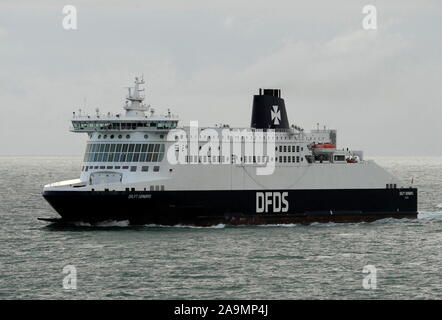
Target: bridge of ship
x,y
97,124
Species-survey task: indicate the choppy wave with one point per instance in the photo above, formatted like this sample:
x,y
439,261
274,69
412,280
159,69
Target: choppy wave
x,y
103,224
430,216
422,217
285,225
217,226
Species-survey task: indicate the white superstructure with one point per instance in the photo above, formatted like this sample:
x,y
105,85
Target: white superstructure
x,y
129,152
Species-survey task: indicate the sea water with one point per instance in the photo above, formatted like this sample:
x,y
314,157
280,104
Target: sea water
x,y
116,261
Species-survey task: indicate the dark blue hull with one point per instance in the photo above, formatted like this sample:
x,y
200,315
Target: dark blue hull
x,y
234,207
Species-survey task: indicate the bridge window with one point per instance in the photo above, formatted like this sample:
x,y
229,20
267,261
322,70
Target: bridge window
x,y
100,152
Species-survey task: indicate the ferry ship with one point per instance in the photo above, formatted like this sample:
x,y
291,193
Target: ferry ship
x,y
146,168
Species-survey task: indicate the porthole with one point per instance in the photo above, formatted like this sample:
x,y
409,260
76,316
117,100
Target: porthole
x,y
146,136
128,136
112,136
161,136
120,136
99,136
105,136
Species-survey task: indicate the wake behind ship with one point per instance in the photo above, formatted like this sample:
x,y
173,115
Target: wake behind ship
x,y
146,169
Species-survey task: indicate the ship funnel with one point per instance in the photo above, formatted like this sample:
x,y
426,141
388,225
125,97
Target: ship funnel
x,y
269,110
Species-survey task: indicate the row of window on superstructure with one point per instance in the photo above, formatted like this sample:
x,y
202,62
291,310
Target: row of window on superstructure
x,y
289,148
244,159
289,159
151,188
131,168
100,125
123,152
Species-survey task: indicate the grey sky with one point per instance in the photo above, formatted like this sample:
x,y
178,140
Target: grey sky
x,y
205,59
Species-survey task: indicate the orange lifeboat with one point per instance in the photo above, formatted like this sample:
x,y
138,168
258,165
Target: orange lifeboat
x,y
324,146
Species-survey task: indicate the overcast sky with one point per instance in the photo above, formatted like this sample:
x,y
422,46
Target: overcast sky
x,y
381,89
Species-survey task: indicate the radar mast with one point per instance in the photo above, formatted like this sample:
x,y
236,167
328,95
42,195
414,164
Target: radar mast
x,y
134,100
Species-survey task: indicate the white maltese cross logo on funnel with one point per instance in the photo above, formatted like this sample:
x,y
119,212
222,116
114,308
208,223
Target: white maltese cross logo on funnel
x,y
276,115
